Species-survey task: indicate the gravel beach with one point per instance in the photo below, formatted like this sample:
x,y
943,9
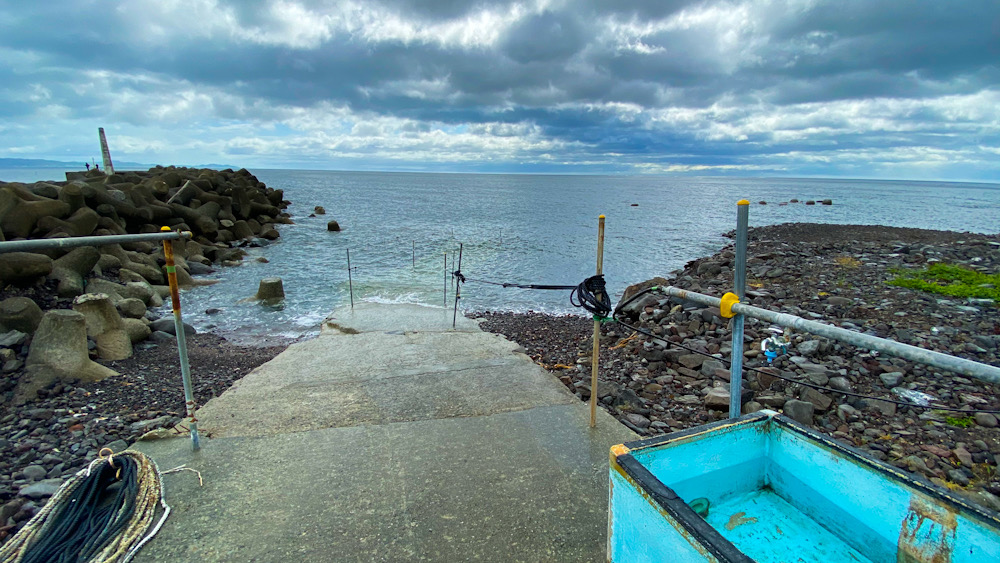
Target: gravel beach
x,y
832,272
54,436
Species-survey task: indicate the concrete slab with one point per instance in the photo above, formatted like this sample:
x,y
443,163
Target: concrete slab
x,y
391,437
401,317
519,486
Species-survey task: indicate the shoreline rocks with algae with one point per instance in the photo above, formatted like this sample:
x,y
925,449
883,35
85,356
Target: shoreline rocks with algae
x,y
836,273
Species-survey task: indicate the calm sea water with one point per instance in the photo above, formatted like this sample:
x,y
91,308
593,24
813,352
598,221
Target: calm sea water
x,y
528,229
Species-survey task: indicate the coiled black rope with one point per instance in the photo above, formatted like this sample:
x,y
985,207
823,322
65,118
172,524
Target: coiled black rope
x,y
591,294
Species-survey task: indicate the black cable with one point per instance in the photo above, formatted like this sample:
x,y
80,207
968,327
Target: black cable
x,y
92,515
791,380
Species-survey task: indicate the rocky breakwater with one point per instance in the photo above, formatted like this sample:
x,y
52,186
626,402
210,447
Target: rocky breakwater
x,y
66,315
837,274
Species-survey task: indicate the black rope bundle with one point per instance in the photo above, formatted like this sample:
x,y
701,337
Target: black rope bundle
x,y
96,512
591,293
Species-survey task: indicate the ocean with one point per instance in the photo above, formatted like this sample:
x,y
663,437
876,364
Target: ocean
x,y
525,229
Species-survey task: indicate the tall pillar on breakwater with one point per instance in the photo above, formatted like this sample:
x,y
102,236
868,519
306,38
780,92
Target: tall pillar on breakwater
x,y
105,153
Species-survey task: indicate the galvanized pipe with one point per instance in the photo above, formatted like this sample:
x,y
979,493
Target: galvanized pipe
x,y
70,242
740,281
983,372
175,302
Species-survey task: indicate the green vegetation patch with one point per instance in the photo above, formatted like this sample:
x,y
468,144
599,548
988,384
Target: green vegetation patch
x,y
947,279
961,422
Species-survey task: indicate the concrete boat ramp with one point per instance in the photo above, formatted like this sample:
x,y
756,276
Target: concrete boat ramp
x,y
391,437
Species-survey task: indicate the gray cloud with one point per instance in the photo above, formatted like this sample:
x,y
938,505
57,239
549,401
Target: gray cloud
x,y
708,82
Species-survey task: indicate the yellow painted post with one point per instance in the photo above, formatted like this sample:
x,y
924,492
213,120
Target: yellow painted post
x,y
175,303
597,328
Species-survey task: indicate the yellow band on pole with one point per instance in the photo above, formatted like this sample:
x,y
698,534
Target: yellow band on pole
x,y
742,202
726,305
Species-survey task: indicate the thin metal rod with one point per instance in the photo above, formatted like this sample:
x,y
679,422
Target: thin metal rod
x,y
984,372
175,301
350,282
595,360
458,288
70,242
740,281
445,279
414,254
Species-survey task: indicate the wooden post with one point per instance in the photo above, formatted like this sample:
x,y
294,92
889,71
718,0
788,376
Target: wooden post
x,y
458,287
350,282
597,328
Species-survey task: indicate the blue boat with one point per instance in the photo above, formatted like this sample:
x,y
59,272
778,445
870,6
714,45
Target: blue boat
x,y
766,488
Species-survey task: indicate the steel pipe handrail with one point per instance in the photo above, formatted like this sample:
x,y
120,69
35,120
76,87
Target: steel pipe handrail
x,y
70,242
983,372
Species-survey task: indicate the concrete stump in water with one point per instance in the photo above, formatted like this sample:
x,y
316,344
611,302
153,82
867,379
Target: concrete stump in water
x,y
270,290
59,352
104,325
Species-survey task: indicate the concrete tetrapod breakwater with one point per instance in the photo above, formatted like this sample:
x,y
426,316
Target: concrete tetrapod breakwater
x,y
391,437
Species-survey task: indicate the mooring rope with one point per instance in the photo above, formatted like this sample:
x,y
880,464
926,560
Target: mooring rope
x,y
102,514
591,294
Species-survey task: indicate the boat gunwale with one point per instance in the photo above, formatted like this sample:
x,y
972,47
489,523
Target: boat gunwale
x,y
669,501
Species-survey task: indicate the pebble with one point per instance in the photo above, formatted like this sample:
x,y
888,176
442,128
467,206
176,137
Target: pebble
x,y
42,489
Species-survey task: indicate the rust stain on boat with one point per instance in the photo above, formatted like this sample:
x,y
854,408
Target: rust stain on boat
x,y
927,533
739,519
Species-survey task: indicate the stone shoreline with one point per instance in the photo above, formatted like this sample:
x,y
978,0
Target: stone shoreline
x,y
832,272
53,419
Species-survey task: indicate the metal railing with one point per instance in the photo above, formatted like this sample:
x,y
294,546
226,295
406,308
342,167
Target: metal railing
x,y
730,307
167,237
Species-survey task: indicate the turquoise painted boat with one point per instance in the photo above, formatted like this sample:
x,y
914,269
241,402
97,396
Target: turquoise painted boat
x,y
765,488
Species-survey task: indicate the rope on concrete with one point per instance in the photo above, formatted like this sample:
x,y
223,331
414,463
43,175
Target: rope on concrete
x,y
103,514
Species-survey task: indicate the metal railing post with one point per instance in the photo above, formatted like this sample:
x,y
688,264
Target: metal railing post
x,y
72,242
983,372
740,283
175,303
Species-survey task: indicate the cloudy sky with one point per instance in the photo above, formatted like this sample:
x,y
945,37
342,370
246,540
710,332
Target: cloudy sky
x,y
856,88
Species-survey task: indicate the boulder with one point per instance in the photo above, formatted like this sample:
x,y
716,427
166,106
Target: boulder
x,y
800,411
19,313
333,226
69,271
59,352
319,210
20,211
136,330
166,325
23,267
104,325
131,308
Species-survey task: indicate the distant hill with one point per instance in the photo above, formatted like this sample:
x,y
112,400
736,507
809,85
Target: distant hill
x,y
42,163
7,163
